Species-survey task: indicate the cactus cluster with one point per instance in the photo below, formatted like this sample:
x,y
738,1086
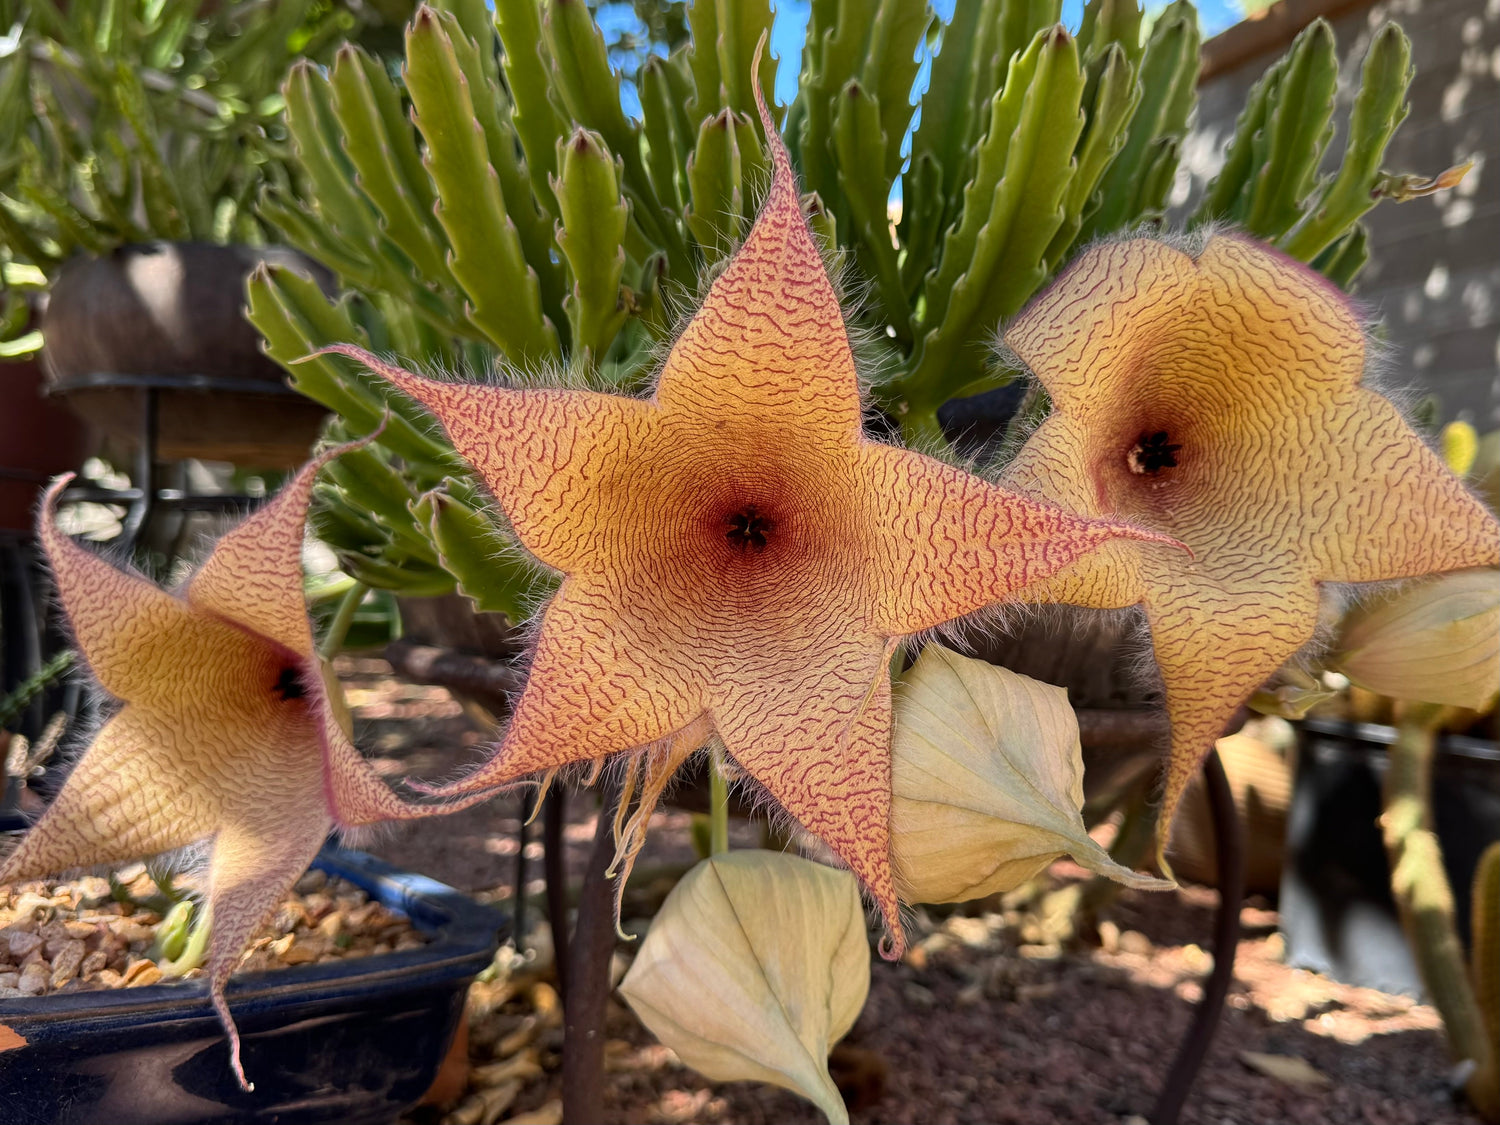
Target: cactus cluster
x,y
493,204
123,122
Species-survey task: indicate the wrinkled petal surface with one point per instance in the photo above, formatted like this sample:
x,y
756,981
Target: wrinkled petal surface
x,y
735,547
226,736
1218,399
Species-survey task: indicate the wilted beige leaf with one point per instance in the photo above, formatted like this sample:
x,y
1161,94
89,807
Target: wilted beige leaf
x,y
1437,641
987,774
755,966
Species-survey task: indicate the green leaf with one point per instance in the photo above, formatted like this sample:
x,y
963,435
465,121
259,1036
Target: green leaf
x,y
715,187
721,53
1116,94
1168,78
860,146
317,137
590,93
1107,22
666,147
538,120
486,258
529,212
1226,197
1342,261
384,161
993,260
374,488
474,17
489,571
931,191
295,319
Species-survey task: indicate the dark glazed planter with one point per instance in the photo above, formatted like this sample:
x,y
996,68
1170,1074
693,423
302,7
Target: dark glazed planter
x,y
354,1042
173,313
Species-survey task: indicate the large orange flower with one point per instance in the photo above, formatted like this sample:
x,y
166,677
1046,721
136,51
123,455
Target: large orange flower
x,y
1217,398
227,734
737,553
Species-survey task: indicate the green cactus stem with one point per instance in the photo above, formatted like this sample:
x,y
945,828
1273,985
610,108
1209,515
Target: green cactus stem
x,y
1423,895
1484,1087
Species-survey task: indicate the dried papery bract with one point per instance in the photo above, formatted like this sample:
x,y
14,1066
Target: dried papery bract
x,y
987,779
734,548
1217,398
1436,641
756,964
227,734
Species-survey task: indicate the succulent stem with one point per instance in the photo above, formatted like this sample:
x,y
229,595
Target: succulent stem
x,y
718,804
1424,897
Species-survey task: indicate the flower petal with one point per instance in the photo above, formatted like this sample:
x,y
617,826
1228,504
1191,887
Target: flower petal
x,y
828,765
951,543
594,689
1433,642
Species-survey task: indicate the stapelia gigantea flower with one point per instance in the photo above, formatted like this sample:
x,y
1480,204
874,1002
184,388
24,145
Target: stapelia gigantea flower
x,y
1218,398
734,549
227,735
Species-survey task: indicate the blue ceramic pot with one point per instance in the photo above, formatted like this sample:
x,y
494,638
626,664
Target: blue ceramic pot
x,y
355,1042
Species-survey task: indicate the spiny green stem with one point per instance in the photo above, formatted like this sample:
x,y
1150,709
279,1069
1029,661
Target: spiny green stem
x,y
1420,885
343,617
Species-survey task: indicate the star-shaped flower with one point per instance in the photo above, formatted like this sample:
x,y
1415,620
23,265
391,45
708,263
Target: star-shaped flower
x,y
1218,398
735,549
226,734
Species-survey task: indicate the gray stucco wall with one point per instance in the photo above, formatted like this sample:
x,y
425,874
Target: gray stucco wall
x,y
1434,275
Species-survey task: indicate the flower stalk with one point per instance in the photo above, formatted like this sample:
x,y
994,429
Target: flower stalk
x,y
1424,899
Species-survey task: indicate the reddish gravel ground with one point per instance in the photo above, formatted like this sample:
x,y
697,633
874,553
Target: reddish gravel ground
x,y
976,1025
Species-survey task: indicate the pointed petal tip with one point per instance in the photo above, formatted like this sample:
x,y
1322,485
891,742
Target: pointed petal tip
x,y
783,181
893,941
47,505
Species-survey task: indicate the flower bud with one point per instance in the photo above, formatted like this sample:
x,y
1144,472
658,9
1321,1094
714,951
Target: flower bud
x,y
987,777
756,965
1437,641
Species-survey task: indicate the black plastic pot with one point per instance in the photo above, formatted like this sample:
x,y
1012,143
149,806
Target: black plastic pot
x,y
1337,913
354,1042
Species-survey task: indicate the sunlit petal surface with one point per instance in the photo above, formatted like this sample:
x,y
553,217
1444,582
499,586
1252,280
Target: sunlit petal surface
x,y
736,548
1218,399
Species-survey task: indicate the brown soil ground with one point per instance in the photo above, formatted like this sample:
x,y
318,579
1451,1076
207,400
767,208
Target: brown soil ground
x,y
982,1022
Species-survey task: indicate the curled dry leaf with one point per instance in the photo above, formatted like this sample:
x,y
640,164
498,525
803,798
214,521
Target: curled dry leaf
x,y
987,775
1434,642
756,965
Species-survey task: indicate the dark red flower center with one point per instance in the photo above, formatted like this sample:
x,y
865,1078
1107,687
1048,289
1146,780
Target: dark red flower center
x,y
748,529
1153,451
289,684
